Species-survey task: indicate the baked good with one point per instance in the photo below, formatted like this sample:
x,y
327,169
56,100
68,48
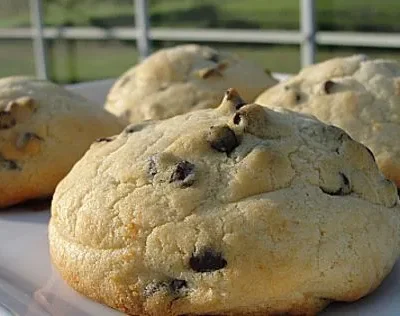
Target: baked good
x,y
239,210
180,79
357,94
44,130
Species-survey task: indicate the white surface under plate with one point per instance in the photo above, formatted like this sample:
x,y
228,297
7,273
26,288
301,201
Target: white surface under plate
x,y
30,287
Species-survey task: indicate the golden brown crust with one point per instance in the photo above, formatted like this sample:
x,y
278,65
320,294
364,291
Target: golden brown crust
x,y
130,302
44,130
357,94
184,78
237,210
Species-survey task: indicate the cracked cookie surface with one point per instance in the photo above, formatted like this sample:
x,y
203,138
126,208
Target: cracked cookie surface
x,y
357,94
177,80
44,130
238,210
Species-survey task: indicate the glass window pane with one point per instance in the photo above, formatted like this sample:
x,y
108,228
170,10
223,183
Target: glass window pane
x,y
14,13
250,14
76,61
358,15
16,58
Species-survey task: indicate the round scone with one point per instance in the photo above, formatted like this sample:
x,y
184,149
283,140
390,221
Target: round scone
x,y
357,94
184,78
44,130
238,210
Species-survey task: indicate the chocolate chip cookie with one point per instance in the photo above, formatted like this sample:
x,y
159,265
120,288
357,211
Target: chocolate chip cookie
x,y
355,93
238,210
44,130
177,80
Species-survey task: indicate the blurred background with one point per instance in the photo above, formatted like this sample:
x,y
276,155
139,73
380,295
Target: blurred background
x,y
76,60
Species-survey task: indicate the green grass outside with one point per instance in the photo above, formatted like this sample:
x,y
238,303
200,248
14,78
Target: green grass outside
x,y
98,60
331,14
90,60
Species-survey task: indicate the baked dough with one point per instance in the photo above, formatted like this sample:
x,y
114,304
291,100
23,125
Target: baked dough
x,y
357,94
239,210
44,130
177,80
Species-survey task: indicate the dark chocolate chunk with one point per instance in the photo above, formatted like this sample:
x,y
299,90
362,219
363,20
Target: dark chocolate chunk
x,y
207,261
328,85
236,119
104,139
298,97
344,189
6,120
8,164
183,174
25,138
31,135
152,166
177,285
239,105
222,139
214,57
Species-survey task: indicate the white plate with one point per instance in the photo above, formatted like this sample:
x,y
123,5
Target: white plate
x,y
30,287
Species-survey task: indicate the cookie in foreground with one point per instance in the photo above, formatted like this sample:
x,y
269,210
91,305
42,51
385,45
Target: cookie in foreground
x,y
183,78
238,210
355,93
44,130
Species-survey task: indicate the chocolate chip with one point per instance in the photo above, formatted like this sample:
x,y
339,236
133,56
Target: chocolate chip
x,y
237,118
344,189
214,57
183,174
346,181
8,164
207,261
26,138
398,192
174,287
298,97
152,168
104,139
6,120
222,139
177,285
328,85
